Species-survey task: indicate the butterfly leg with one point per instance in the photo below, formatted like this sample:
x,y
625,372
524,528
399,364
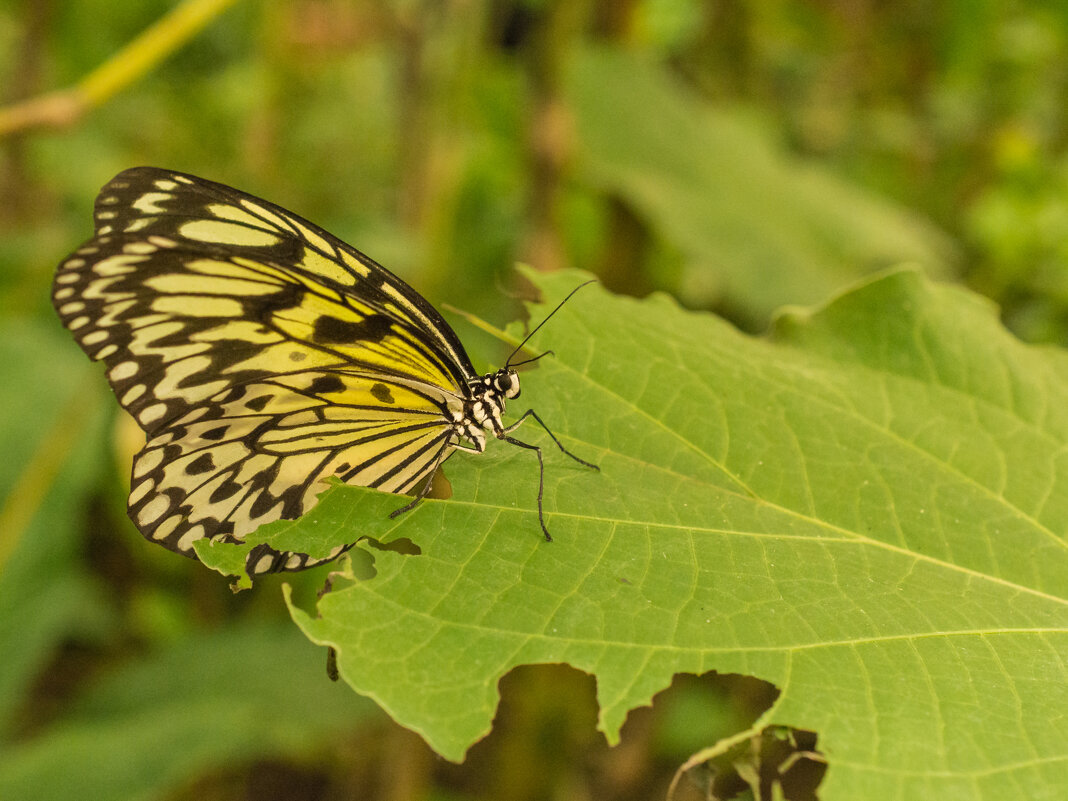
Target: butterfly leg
x,y
423,492
503,435
429,483
532,413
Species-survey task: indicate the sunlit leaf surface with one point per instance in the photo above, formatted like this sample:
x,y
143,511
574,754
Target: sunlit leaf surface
x,y
867,509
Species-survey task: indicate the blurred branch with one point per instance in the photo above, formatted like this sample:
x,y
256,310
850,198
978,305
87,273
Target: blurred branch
x,y
64,107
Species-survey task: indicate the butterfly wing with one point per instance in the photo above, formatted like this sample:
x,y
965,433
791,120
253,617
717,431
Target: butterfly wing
x,y
257,453
258,352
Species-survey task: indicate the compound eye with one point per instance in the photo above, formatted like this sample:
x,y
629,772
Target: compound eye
x,y
510,385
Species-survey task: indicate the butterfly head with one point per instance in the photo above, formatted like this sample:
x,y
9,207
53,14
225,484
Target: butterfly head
x,y
506,382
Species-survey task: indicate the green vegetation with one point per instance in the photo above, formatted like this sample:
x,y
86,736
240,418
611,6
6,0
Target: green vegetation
x,y
832,480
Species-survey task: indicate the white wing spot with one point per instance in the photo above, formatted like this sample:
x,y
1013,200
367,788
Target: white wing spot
x,y
106,351
313,238
140,491
77,323
140,248
138,224
194,415
327,268
64,293
227,211
265,214
164,529
357,265
132,394
151,414
118,265
147,461
72,307
93,337
148,202
123,371
191,536
153,511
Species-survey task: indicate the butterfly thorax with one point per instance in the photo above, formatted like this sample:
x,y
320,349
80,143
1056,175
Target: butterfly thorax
x,y
483,409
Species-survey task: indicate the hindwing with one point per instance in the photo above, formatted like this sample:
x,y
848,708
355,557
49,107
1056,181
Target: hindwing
x,y
257,453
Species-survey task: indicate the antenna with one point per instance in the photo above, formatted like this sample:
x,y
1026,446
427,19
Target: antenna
x,y
519,347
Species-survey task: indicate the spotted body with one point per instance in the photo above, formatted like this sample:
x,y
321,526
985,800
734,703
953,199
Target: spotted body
x,y
260,355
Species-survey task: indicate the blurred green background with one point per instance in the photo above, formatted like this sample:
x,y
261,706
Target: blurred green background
x,y
738,154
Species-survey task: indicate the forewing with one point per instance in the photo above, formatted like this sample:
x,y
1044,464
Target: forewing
x,y
190,286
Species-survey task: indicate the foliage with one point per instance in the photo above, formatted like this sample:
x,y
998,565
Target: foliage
x,y
864,508
198,705
715,187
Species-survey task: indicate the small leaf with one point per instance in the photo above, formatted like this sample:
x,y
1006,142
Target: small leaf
x,y
226,557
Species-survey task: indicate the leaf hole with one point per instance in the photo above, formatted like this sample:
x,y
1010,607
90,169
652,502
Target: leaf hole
x,y
700,720
401,545
779,762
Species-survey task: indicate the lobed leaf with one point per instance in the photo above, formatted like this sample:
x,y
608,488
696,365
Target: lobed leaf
x,y
866,508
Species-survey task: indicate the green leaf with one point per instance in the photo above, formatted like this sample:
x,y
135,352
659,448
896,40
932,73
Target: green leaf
x,y
210,702
867,509
318,532
756,228
226,557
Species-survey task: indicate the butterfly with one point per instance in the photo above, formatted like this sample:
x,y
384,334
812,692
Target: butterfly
x,y
261,355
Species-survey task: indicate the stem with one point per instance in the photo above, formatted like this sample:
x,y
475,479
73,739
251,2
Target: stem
x,y
66,106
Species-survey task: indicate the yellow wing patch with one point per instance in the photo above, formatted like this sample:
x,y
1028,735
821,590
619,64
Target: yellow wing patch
x,y
220,232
